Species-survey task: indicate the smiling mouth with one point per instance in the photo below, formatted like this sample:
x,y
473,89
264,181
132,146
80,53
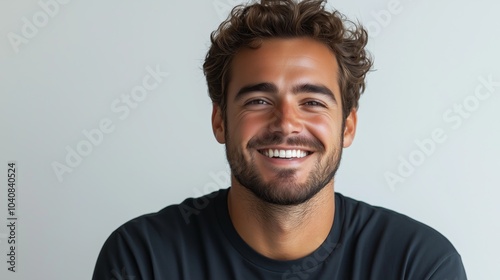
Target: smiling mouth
x,y
284,154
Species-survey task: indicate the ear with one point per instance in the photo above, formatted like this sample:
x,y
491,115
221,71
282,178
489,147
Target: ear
x,y
218,124
350,128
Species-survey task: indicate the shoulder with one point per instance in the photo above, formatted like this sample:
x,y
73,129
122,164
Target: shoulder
x,y
384,234
359,215
173,219
173,232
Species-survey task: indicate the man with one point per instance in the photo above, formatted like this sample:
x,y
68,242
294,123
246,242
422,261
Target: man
x,y
284,79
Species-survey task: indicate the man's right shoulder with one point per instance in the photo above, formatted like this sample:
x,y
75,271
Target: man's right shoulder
x,y
175,217
138,243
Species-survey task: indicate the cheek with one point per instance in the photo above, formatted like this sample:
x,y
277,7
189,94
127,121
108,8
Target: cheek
x,y
325,128
244,126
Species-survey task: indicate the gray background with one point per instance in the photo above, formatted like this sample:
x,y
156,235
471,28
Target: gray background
x,y
429,56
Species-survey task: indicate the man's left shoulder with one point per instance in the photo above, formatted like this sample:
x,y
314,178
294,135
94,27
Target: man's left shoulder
x,y
386,222
390,235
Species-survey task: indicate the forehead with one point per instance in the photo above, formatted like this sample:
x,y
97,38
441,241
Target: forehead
x,y
285,62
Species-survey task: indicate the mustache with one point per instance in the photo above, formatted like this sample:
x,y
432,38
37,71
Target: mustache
x,y
277,139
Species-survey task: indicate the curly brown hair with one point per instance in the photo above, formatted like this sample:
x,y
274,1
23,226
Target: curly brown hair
x,y
247,24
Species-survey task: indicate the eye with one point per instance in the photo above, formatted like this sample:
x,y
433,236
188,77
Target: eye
x,y
257,102
314,103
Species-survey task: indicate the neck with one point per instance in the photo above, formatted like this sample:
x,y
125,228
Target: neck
x,y
282,232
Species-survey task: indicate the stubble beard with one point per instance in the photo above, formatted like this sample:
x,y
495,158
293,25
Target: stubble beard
x,y
283,189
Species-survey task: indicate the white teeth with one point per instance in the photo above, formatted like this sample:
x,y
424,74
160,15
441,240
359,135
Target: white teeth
x,y
285,153
282,153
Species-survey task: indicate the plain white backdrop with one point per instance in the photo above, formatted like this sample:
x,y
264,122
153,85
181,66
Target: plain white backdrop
x,y
68,68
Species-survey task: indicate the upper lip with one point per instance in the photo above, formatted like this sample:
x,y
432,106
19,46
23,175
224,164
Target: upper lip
x,y
285,148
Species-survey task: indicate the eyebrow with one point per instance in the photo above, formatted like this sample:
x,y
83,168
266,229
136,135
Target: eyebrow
x,y
271,88
311,88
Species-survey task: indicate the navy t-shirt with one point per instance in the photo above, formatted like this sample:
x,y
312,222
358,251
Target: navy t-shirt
x,y
196,240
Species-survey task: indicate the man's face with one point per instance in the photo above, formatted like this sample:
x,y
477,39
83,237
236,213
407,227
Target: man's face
x,y
284,131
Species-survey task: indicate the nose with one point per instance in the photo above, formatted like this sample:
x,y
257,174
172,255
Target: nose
x,y
286,119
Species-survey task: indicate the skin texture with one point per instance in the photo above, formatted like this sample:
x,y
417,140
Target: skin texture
x,y
283,208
